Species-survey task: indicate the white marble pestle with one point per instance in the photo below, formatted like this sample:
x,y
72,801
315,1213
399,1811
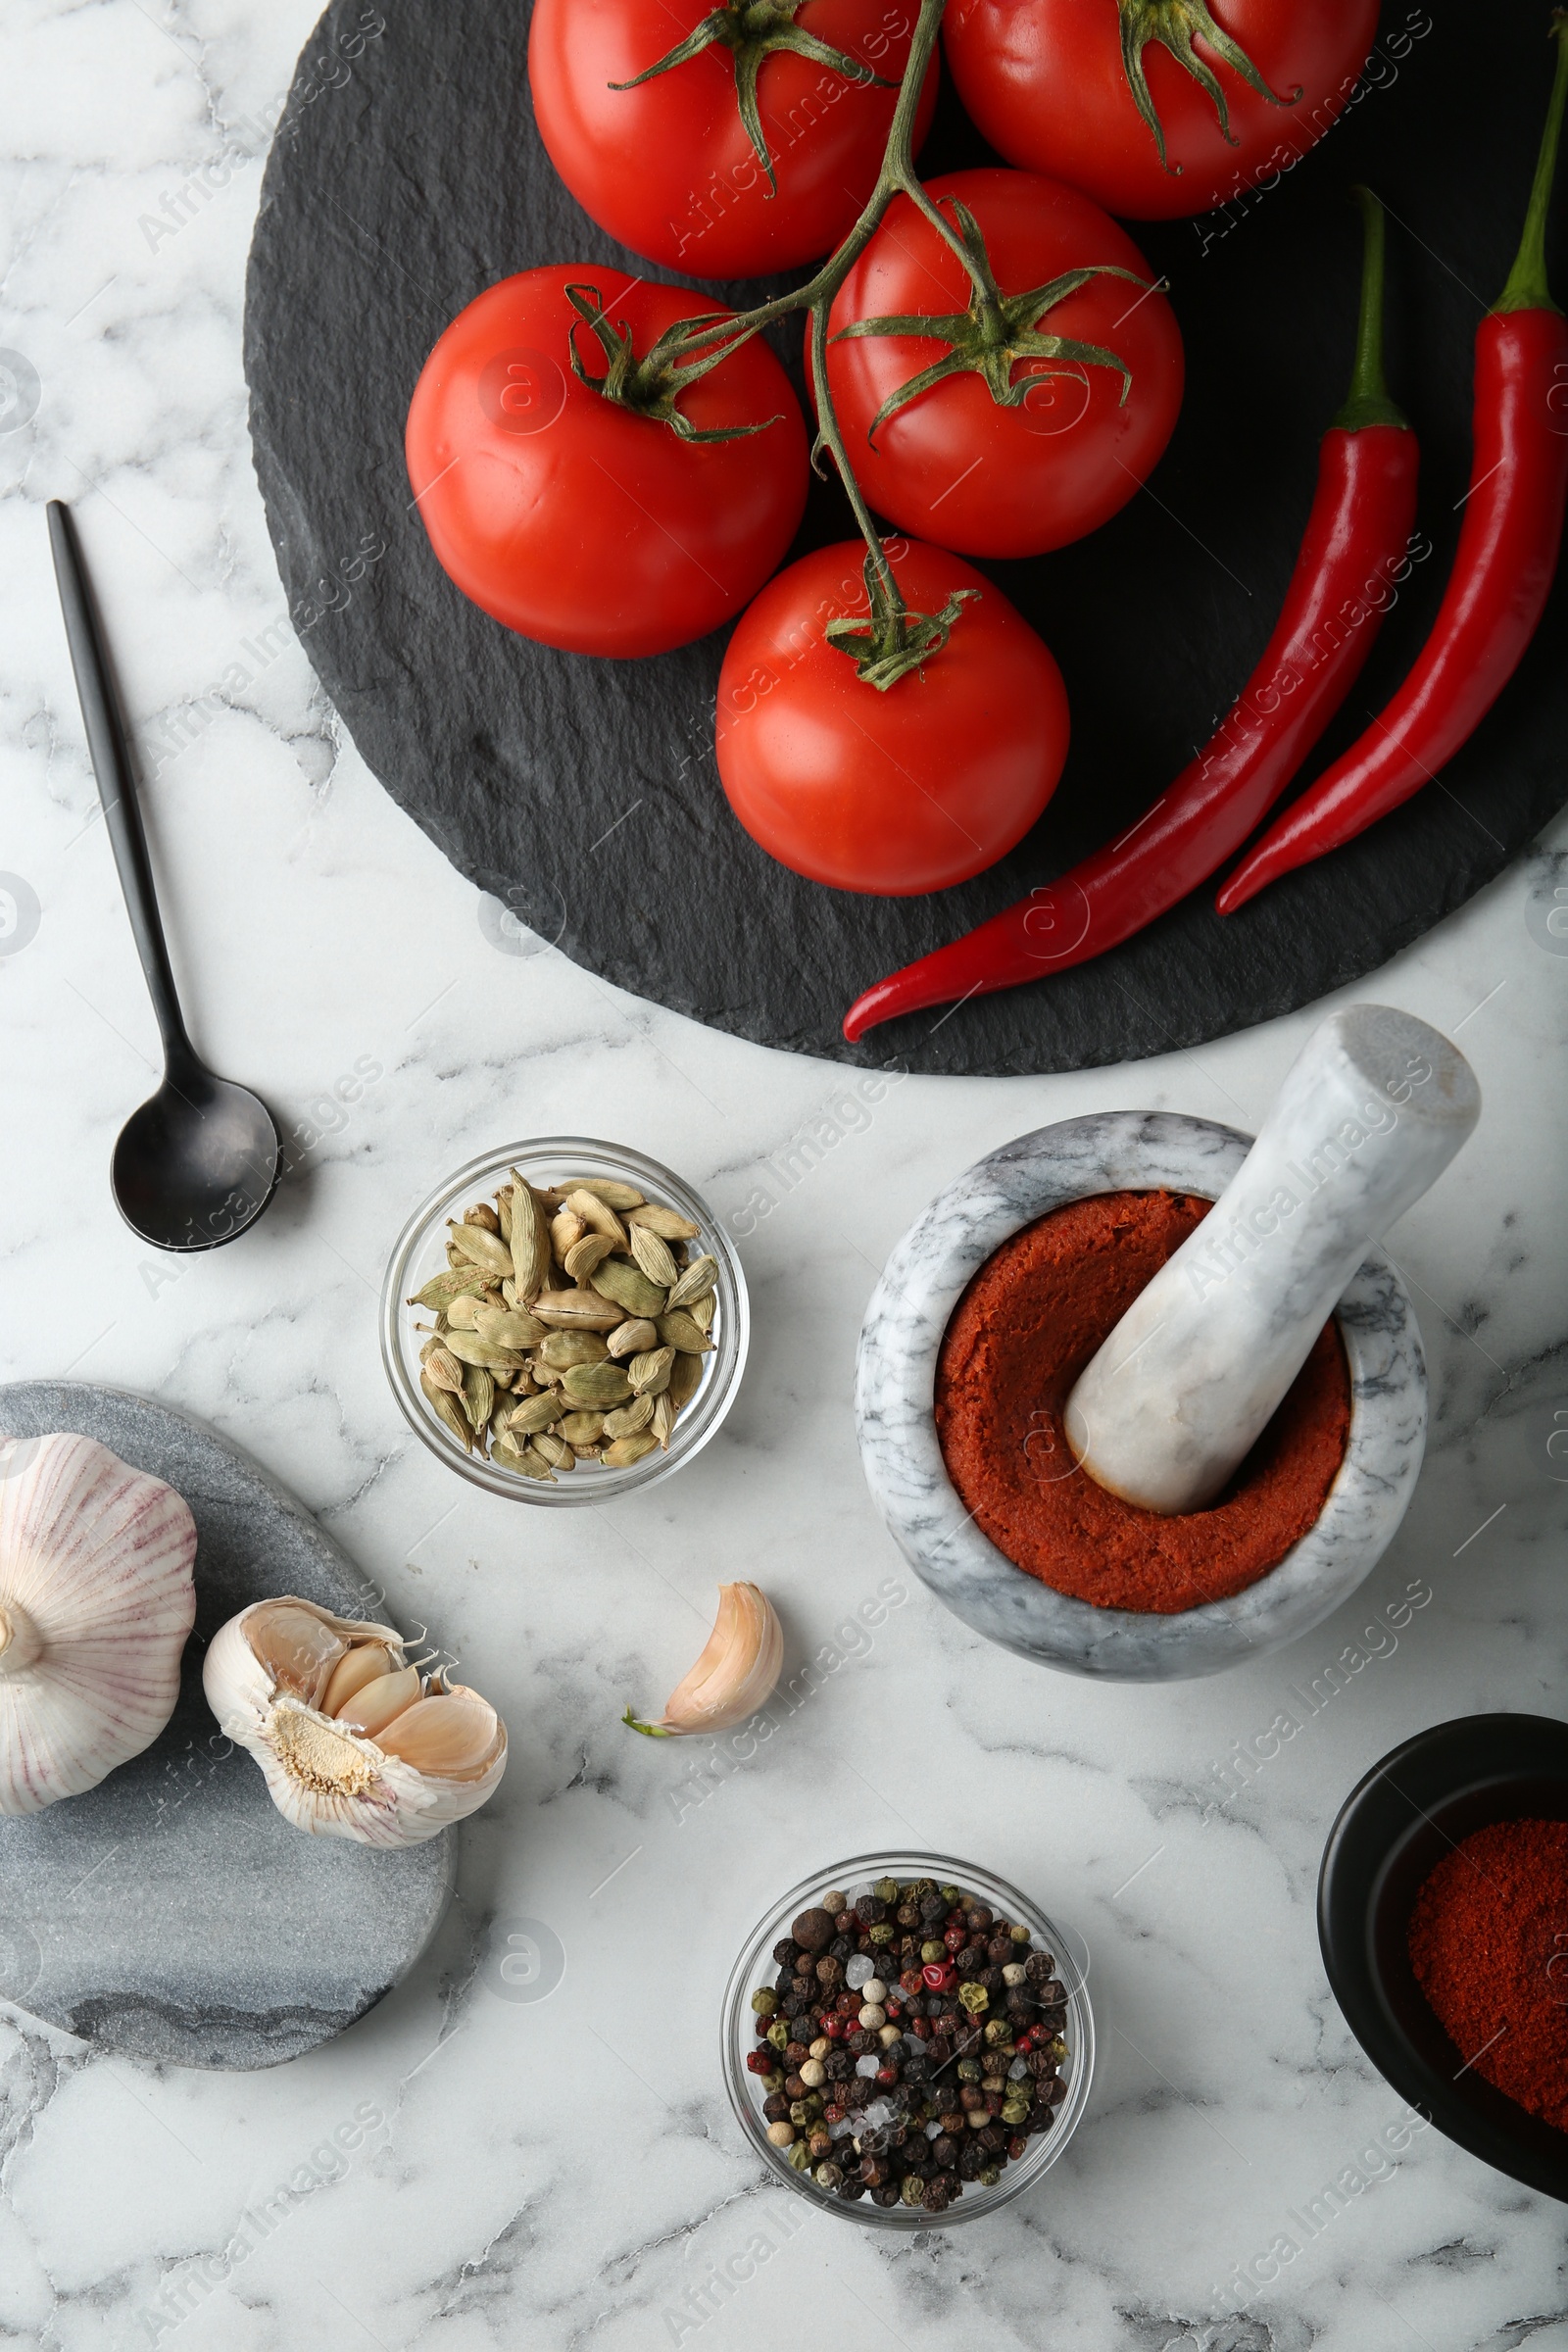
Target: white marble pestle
x,y
1371,1112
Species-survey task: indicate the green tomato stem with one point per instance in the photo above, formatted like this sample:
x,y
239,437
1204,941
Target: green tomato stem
x,y
1174,26
753,30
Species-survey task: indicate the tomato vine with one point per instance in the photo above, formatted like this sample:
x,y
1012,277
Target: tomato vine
x,y
895,640
990,337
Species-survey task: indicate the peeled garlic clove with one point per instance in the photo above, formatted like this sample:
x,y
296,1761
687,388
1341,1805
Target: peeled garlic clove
x,y
452,1734
96,1600
735,1674
371,1709
324,1773
353,1671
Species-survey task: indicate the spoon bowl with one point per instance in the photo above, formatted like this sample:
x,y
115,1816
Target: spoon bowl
x,y
197,1163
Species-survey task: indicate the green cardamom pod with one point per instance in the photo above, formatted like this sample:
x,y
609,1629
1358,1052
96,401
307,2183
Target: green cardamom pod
x,y
563,1349
649,1373
448,1411
478,1395
578,1310
469,1349
582,1428
536,1413
654,1258
508,1329
700,1276
480,1248
442,1289
627,1451
596,1384
628,1419
629,1288
680,1331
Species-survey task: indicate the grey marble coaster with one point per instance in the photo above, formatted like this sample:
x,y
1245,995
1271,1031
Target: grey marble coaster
x,y
171,1913
896,1383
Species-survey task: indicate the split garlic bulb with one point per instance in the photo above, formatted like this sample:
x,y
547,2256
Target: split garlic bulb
x,y
354,1741
96,1600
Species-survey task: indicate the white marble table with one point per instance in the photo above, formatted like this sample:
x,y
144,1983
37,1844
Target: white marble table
x,y
467,2167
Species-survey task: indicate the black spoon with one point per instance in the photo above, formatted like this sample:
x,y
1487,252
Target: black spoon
x,y
199,1161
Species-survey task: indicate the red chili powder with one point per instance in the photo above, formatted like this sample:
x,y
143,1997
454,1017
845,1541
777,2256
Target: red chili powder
x,y
1488,1945
1020,1337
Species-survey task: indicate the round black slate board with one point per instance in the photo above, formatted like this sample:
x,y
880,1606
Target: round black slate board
x,y
407,175
171,1913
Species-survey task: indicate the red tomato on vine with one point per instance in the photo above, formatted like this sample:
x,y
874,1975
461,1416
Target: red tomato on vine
x,y
1029,413
724,139
908,787
1158,108
580,521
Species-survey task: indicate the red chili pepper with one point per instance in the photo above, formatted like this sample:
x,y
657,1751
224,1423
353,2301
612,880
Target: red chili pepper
x,y
1502,568
1355,549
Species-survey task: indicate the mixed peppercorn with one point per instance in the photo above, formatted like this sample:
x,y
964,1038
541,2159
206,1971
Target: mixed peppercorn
x,y
912,2042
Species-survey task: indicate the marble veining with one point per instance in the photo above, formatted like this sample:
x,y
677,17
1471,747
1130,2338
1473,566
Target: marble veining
x,y
496,2159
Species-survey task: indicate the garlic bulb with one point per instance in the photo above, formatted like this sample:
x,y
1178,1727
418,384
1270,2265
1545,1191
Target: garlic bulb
x,y
96,1600
354,1741
735,1674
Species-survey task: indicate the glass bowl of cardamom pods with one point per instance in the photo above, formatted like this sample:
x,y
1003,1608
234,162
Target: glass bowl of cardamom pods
x,y
564,1320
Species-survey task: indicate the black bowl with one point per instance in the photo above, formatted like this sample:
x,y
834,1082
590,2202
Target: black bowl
x,y
1394,1829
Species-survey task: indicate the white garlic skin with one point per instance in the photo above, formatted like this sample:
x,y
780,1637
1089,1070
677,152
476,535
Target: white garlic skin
x,y
322,1776
97,1599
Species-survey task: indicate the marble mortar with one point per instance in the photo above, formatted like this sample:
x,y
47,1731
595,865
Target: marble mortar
x,y
894,1392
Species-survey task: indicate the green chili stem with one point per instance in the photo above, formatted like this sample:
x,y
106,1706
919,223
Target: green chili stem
x,y
1527,288
1368,401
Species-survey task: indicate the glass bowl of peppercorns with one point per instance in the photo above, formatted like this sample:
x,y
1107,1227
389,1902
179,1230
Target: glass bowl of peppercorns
x,y
907,2040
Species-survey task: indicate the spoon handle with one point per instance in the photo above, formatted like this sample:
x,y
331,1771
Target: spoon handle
x,y
116,786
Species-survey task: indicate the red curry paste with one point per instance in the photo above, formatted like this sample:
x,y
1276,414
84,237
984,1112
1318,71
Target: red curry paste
x,y
1488,1945
1021,1333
